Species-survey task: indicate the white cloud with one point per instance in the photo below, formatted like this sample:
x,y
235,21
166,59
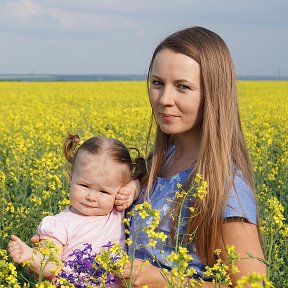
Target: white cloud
x,y
77,21
120,35
29,13
20,11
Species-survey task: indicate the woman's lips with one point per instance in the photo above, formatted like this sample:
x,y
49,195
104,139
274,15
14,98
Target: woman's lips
x,y
167,117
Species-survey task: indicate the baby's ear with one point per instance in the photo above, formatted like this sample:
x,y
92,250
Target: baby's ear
x,y
70,176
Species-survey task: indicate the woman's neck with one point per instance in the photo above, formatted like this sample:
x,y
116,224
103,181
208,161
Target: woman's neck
x,y
185,154
187,146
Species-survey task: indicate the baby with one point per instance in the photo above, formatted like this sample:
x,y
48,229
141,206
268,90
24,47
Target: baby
x,y
99,169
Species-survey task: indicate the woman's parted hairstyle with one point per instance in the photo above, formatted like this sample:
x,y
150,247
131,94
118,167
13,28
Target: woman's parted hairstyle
x,y
223,149
116,150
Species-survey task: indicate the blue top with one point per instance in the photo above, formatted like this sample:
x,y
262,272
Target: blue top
x,y
240,204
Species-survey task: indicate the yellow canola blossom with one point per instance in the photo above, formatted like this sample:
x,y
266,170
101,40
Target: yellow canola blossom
x,y
35,118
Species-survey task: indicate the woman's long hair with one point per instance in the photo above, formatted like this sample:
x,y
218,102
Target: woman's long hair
x,y
223,149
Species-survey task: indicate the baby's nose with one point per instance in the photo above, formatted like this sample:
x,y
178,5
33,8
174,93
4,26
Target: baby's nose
x,y
91,197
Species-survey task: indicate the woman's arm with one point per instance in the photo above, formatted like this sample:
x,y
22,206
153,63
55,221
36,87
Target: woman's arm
x,y
244,237
147,274
143,274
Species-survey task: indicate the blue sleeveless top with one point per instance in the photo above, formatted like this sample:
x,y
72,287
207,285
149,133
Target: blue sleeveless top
x,y
240,204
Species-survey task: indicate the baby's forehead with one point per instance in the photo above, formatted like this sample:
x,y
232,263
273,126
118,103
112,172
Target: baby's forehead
x,y
101,159
102,163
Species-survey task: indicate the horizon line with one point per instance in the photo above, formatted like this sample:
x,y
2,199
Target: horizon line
x,y
108,76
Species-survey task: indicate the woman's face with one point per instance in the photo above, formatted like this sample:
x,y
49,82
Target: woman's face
x,y
175,92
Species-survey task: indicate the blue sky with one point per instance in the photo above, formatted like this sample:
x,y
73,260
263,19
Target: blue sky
x,y
118,36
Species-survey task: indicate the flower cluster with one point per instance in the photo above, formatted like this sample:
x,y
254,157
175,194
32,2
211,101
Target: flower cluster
x,y
145,210
219,272
88,268
27,156
180,270
8,273
277,210
201,188
254,280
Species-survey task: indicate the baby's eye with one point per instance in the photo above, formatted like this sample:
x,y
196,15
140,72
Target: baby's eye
x,y
84,185
104,192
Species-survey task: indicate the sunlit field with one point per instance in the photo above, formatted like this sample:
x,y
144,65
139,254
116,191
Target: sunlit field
x,y
35,118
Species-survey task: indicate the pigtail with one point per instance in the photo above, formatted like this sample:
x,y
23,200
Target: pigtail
x,y
70,145
139,166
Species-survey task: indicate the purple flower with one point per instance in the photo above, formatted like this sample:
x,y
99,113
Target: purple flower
x,y
84,269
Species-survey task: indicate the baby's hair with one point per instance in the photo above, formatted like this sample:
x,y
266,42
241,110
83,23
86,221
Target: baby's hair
x,y
116,150
139,165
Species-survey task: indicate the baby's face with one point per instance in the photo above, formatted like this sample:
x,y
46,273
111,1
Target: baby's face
x,y
94,184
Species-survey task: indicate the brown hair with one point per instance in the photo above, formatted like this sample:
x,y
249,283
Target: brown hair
x,y
223,149
118,152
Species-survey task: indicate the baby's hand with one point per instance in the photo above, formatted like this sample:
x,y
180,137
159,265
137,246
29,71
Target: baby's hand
x,y
18,250
126,195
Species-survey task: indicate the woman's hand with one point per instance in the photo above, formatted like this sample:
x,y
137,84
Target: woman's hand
x,y
143,273
35,238
126,195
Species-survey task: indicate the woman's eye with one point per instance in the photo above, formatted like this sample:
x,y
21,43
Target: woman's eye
x,y
156,83
184,87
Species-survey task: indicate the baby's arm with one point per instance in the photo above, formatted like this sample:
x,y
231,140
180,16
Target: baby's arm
x,y
20,252
127,194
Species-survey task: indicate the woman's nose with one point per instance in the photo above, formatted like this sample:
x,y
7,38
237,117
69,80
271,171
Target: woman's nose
x,y
166,97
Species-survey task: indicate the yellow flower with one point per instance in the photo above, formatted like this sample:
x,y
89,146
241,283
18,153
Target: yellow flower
x,y
126,221
198,178
255,280
152,243
192,209
128,242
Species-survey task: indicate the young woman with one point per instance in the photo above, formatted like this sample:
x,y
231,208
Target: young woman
x,y
192,91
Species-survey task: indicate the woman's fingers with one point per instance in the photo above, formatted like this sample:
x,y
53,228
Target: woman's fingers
x,y
35,238
143,273
137,267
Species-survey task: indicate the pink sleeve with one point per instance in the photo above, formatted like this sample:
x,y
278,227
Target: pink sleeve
x,y
51,227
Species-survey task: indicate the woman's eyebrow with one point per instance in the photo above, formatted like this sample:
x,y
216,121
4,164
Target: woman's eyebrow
x,y
180,81
183,80
155,76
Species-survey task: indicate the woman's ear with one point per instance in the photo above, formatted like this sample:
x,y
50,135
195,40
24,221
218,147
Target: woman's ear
x,y
70,176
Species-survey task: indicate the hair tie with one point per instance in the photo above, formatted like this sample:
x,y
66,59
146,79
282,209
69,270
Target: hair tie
x,y
135,149
74,138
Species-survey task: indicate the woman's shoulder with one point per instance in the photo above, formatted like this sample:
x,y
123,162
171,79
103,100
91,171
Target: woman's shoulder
x,y
241,201
240,186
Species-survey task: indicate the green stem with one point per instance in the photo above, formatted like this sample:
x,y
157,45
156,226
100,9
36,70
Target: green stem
x,y
179,221
133,252
271,240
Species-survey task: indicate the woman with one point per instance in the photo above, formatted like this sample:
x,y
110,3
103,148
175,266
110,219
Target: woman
x,y
192,91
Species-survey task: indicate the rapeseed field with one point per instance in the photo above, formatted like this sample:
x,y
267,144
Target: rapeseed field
x,y
35,118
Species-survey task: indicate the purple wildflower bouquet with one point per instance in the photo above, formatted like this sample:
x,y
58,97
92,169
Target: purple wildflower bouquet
x,y
90,269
